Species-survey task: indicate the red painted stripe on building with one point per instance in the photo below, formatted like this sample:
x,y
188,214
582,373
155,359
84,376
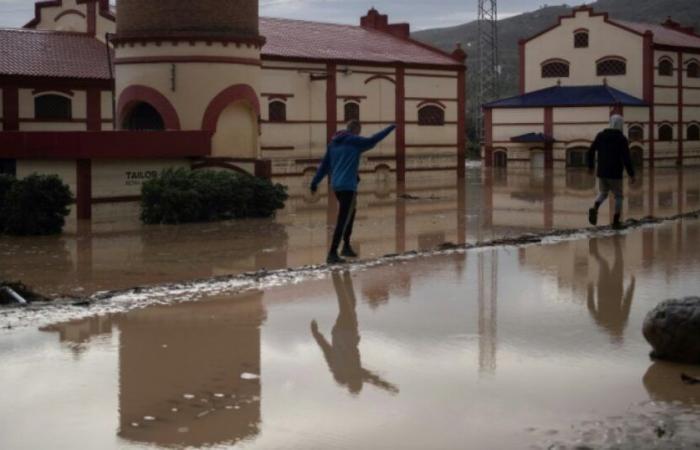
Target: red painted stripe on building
x,y
680,109
488,137
331,101
84,189
549,131
92,18
10,108
461,123
400,116
94,109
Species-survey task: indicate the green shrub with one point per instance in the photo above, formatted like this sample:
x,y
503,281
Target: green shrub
x,y
36,205
6,182
183,196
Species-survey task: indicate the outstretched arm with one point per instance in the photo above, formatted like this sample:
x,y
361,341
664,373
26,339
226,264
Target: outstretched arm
x,y
378,381
366,144
323,170
322,343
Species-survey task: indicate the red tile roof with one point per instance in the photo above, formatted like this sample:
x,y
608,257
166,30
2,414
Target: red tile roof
x,y
323,41
52,54
663,35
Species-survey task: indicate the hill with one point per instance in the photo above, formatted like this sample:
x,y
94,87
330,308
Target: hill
x,y
512,29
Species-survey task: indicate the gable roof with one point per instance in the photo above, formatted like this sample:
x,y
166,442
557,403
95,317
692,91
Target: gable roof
x,y
569,96
664,34
52,54
301,39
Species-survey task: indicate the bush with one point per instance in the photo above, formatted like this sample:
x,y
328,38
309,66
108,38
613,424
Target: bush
x,y
36,205
183,196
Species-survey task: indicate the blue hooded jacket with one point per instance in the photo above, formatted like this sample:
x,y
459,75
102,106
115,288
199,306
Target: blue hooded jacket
x,y
342,160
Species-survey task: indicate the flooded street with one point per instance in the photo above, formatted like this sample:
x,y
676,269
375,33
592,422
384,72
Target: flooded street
x,y
537,346
117,252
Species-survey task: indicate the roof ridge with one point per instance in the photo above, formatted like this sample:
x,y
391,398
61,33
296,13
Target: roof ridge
x,y
50,32
286,19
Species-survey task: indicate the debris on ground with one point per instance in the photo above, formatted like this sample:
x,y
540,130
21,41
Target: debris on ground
x,y
16,293
687,379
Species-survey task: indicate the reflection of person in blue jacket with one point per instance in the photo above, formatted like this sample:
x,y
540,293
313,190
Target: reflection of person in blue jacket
x,y
342,163
342,354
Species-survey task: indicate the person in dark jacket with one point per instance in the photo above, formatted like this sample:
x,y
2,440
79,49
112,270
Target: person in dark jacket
x,y
613,156
342,163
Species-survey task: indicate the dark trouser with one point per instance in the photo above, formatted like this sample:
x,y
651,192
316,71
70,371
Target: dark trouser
x,y
346,218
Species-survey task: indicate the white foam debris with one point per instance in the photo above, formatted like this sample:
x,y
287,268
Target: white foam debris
x,y
183,430
135,424
249,376
174,409
219,395
149,418
188,396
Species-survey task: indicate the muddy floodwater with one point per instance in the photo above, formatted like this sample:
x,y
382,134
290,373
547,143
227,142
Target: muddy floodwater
x,y
537,346
116,252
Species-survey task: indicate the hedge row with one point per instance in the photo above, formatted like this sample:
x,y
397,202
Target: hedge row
x,y
184,196
36,205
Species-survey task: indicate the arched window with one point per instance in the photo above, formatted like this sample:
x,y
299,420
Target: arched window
x,y
665,133
431,115
693,70
611,67
694,132
666,68
577,157
352,111
278,111
555,69
143,117
581,39
636,133
53,107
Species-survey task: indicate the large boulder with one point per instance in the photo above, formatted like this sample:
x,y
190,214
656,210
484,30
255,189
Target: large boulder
x,y
673,330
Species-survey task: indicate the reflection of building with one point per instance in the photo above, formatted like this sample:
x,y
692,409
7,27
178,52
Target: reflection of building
x,y
181,367
488,311
232,90
571,82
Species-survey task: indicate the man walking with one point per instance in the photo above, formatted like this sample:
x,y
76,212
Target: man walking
x,y
342,163
613,151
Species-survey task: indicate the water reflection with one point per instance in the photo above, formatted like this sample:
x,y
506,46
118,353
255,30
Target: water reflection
x,y
663,383
342,354
609,303
188,374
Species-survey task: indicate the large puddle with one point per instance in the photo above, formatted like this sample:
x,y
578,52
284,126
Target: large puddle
x,y
117,252
510,348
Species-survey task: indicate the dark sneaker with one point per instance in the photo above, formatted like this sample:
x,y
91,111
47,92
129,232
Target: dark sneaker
x,y
333,258
348,252
593,216
617,224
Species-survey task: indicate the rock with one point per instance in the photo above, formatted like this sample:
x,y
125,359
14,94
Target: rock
x,y
673,330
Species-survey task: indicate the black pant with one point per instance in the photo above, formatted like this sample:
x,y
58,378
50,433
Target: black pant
x,y
346,218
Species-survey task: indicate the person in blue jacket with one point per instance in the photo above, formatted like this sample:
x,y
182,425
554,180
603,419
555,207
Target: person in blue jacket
x,y
342,163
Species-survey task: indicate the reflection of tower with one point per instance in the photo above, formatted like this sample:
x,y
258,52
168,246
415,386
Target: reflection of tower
x,y
191,65
488,313
487,88
184,366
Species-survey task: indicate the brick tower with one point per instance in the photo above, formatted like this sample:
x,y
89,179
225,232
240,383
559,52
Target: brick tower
x,y
189,66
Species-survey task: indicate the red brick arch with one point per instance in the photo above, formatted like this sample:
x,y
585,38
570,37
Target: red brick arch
x,y
133,95
224,99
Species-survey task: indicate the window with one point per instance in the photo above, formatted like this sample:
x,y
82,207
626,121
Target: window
x,y
693,70
431,115
665,68
143,117
665,133
577,157
611,67
278,111
352,111
581,39
694,132
555,69
500,158
53,107
636,133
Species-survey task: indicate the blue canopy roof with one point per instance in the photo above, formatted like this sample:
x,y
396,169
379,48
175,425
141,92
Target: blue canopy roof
x,y
569,96
532,138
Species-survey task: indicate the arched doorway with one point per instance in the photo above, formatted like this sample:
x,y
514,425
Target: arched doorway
x,y
637,154
537,159
141,117
236,132
500,158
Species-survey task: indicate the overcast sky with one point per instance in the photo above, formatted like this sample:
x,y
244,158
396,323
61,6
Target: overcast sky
x,y
420,13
